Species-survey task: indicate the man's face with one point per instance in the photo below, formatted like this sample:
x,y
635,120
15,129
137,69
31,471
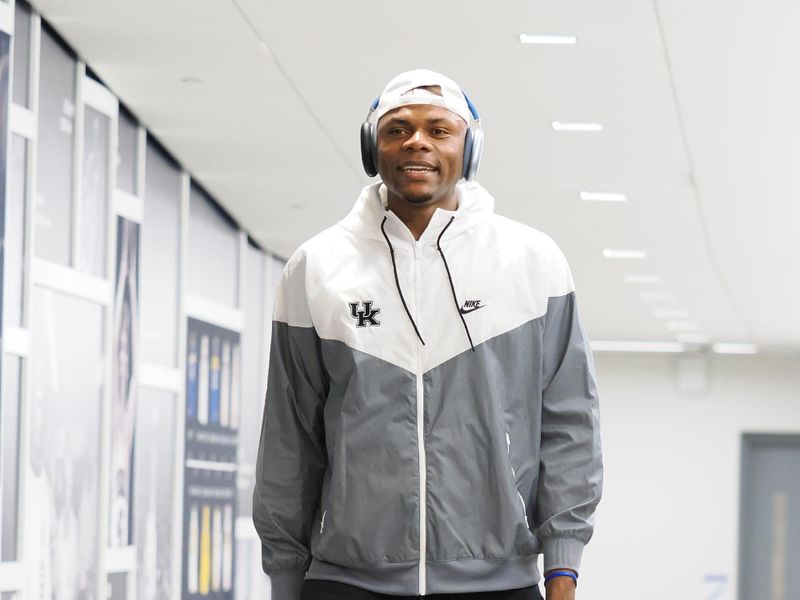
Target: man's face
x,y
420,151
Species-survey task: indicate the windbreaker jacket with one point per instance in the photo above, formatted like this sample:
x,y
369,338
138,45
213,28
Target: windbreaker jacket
x,y
431,419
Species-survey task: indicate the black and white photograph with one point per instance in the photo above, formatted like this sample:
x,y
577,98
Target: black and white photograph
x,y
124,390
62,499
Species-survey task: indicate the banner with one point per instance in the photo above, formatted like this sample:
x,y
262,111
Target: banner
x,y
212,415
123,378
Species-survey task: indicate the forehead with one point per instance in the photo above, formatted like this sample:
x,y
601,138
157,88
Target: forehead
x,y
421,113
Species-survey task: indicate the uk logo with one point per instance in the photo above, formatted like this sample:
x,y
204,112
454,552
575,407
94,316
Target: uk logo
x,y
365,316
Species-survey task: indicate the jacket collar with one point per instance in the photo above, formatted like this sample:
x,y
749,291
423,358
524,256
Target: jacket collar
x,y
475,205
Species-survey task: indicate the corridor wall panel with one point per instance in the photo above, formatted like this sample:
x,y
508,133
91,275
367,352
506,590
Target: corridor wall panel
x,y
93,207
153,497
114,258
160,266
127,149
55,151
213,251
9,451
22,54
16,201
254,349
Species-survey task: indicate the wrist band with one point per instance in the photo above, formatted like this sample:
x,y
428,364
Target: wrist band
x,y
554,574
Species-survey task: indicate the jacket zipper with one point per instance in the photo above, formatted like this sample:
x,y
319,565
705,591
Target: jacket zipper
x,y
420,441
322,522
514,475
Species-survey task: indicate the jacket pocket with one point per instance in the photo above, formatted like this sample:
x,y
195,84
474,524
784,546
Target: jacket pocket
x,y
514,480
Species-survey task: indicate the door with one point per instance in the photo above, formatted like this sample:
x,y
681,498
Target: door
x,y
769,540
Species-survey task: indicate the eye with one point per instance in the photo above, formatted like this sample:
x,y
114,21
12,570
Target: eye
x,y
396,131
439,131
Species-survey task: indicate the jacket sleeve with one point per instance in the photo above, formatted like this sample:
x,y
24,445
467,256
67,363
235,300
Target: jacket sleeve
x,y
291,454
571,471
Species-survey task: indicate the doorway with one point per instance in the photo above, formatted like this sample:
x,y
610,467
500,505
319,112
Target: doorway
x,y
769,521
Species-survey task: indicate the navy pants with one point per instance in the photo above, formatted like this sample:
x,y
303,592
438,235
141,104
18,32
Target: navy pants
x,y
317,589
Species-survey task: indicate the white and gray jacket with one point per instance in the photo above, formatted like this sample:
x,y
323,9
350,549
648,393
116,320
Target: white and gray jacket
x,y
431,419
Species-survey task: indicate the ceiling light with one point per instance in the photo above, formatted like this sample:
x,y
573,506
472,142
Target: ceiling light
x,y
682,325
671,313
561,126
612,346
642,279
604,197
609,253
732,348
657,296
536,38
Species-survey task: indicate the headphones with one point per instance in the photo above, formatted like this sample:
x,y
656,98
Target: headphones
x,y
473,143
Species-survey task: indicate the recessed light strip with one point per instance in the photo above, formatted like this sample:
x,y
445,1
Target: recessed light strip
x,y
576,126
733,348
670,347
604,197
613,346
635,254
547,39
658,296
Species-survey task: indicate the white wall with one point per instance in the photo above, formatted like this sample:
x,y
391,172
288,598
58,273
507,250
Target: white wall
x,y
669,515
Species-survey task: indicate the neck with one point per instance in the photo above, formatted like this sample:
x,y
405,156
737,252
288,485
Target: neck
x,y
417,216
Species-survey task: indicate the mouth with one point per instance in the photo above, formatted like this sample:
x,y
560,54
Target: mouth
x,y
416,170
416,167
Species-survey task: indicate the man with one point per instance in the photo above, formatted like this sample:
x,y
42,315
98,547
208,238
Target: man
x,y
431,420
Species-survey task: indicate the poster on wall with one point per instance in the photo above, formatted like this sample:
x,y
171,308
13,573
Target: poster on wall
x,y
5,44
212,414
123,376
62,492
153,495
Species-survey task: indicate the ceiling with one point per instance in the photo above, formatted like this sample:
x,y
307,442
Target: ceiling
x,y
261,102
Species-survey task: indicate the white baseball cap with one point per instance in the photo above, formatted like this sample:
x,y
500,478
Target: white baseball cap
x,y
408,88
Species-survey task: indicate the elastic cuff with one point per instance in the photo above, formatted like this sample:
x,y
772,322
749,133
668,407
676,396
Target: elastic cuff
x,y
562,553
286,585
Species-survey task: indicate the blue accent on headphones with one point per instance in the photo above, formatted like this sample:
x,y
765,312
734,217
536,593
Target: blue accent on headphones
x,y
471,106
473,143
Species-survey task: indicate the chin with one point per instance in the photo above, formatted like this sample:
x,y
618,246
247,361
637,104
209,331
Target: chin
x,y
417,198
417,194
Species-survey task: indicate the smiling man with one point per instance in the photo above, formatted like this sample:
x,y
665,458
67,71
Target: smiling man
x,y
431,421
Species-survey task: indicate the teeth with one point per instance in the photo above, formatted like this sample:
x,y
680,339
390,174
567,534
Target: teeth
x,y
417,169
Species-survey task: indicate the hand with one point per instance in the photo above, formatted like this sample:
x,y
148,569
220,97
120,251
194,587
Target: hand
x,y
560,588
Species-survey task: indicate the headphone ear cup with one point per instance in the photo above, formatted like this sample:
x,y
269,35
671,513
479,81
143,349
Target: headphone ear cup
x,y
465,162
473,148
369,149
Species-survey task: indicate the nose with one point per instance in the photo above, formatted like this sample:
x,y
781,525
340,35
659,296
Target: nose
x,y
418,141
